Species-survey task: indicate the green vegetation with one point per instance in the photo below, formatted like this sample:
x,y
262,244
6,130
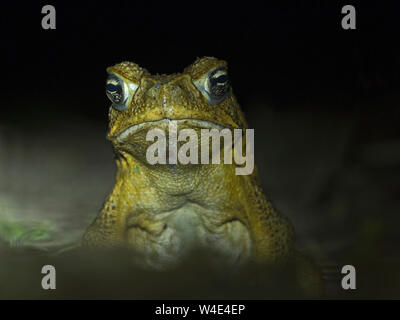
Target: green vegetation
x,y
17,233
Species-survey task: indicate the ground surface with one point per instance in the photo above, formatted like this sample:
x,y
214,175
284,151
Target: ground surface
x,y
333,173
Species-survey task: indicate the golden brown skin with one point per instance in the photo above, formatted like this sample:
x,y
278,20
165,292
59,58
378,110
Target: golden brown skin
x,y
165,210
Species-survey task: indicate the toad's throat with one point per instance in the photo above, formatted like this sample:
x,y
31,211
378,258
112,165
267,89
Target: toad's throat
x,y
192,123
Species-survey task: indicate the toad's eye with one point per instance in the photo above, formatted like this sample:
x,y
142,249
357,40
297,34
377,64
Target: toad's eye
x,y
214,85
119,92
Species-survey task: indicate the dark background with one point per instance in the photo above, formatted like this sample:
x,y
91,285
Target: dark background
x,y
324,103
293,51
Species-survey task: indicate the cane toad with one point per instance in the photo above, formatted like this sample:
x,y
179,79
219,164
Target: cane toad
x,y
164,210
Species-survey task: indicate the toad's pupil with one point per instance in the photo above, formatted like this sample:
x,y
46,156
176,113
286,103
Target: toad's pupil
x,y
220,79
114,90
219,85
111,87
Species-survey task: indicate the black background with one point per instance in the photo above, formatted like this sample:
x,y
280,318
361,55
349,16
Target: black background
x,y
289,51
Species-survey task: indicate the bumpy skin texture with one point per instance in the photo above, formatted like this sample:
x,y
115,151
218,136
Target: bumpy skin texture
x,y
165,210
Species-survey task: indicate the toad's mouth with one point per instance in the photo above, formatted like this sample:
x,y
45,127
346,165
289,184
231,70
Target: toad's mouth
x,y
164,123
